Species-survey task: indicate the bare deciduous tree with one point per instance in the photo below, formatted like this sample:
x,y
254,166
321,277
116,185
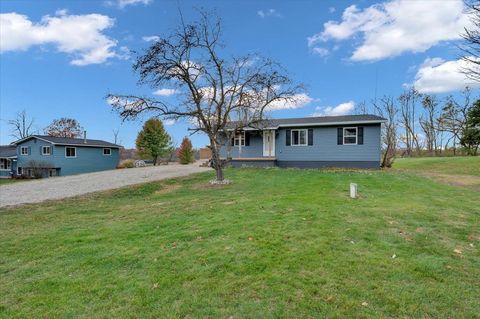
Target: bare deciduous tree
x,y
22,126
472,43
428,123
408,101
115,135
361,108
387,109
453,118
221,96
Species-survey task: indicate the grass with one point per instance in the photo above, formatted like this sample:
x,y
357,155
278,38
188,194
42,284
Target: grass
x,y
5,181
466,165
274,244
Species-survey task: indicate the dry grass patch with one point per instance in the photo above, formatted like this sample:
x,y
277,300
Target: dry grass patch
x,y
468,181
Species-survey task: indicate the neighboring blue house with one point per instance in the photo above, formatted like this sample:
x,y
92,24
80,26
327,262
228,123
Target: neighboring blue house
x,y
8,160
352,141
58,156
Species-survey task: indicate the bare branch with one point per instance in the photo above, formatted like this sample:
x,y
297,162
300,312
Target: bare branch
x,y
221,95
21,125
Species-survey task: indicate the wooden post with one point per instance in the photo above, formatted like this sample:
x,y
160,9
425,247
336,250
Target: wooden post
x,y
353,190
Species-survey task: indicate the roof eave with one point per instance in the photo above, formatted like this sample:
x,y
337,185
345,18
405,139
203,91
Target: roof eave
x,y
67,144
30,137
88,145
313,124
334,123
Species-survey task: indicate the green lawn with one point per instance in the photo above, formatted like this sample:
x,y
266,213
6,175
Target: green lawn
x,y
274,244
5,181
467,165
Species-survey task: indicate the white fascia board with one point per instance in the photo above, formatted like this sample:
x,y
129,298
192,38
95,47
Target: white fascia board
x,y
29,137
316,124
333,123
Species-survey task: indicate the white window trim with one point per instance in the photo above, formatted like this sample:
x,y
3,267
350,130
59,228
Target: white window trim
x,y
70,156
109,153
306,137
241,138
23,148
356,135
7,162
49,152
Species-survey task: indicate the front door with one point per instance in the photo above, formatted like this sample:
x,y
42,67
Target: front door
x,y
269,143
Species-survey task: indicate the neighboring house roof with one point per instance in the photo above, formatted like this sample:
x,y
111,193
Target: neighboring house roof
x,y
316,121
70,141
8,151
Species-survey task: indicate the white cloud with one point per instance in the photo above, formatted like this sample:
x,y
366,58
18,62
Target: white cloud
x,y
397,26
341,109
165,92
331,9
123,3
150,38
321,51
79,35
169,122
269,13
297,101
439,76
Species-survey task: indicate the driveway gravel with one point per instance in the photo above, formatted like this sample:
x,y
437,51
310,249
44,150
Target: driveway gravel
x,y
68,186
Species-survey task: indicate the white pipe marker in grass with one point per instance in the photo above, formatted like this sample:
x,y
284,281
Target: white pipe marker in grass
x,y
353,190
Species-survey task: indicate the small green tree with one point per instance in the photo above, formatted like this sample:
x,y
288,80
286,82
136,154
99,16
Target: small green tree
x,y
471,136
185,152
153,141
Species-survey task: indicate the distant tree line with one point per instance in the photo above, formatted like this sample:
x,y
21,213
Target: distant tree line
x,y
423,124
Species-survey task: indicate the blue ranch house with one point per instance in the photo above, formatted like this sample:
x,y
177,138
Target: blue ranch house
x,y
47,156
351,141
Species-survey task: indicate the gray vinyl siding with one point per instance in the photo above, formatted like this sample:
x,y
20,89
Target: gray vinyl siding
x,y
255,149
325,146
325,152
88,159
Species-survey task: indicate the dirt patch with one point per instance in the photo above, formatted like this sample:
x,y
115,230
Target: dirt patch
x,y
468,181
167,189
206,185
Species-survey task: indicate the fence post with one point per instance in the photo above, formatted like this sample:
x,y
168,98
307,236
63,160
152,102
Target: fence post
x,y
353,190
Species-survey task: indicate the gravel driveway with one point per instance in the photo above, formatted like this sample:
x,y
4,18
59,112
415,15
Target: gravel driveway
x,y
68,186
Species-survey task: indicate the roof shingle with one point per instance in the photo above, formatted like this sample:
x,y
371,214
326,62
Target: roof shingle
x,y
74,141
8,151
318,120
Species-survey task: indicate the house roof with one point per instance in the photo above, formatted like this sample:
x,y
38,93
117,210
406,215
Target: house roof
x,y
316,121
70,141
8,151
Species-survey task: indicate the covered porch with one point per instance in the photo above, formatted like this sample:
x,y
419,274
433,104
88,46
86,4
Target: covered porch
x,y
251,145
266,161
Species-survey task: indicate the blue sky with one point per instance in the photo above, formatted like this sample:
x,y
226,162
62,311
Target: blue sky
x,y
60,58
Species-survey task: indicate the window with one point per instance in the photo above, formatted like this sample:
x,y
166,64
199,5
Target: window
x,y
19,171
350,135
5,163
299,137
239,139
24,150
70,152
107,151
46,150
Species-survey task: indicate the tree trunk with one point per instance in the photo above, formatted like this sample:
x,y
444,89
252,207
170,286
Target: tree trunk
x,y
216,160
155,161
